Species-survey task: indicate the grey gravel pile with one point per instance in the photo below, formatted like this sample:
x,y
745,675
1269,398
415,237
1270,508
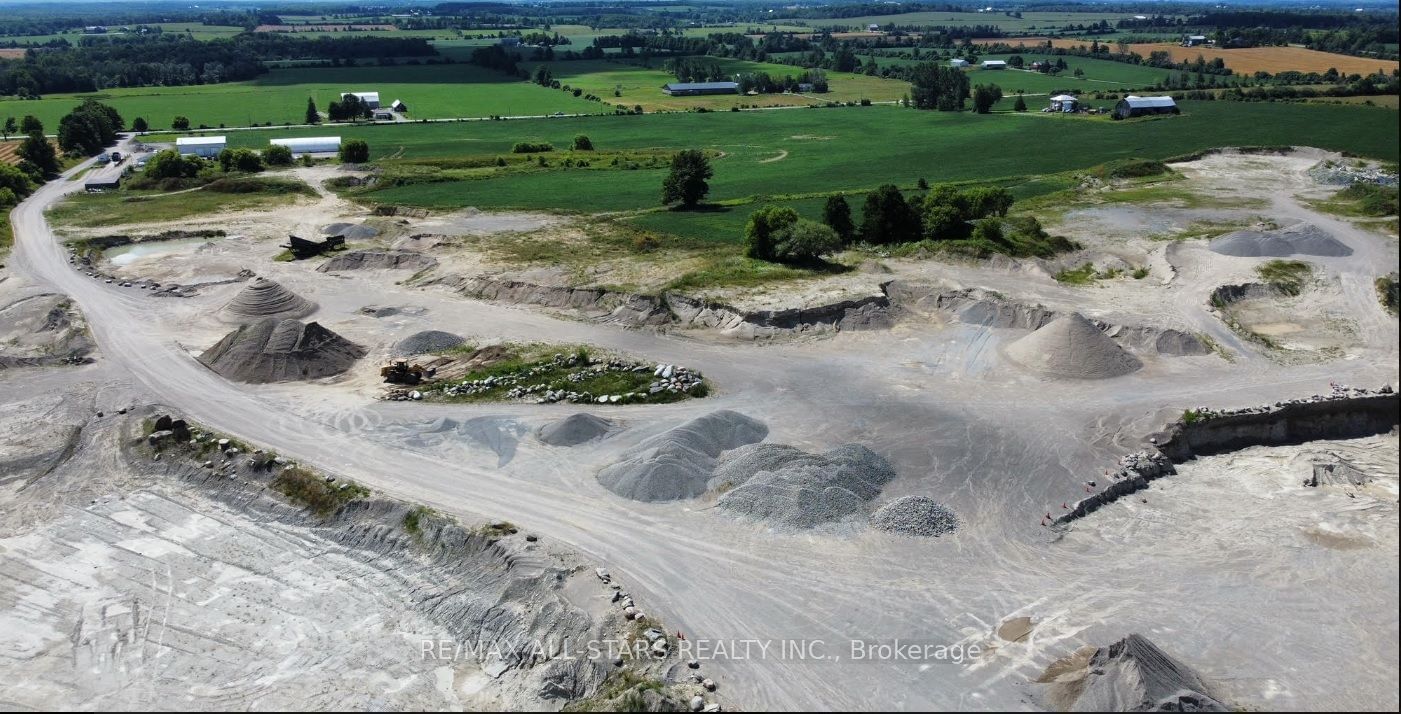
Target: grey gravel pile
x,y
915,516
737,466
678,463
262,298
1072,347
1133,674
350,231
280,351
575,429
1298,239
420,343
811,490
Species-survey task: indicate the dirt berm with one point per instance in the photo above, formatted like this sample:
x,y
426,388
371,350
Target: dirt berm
x,y
377,259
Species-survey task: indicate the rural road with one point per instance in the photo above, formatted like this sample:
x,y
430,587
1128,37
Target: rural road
x,y
997,451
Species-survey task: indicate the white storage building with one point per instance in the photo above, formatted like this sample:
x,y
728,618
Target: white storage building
x,y
957,63
206,146
994,64
310,144
370,99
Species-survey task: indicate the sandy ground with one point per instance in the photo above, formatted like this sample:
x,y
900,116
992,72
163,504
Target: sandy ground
x,y
1000,446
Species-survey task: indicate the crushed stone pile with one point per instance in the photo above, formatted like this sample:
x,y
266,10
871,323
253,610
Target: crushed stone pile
x,y
350,231
281,351
736,466
915,516
678,463
420,343
1298,239
262,298
1132,674
1072,347
575,429
377,259
811,490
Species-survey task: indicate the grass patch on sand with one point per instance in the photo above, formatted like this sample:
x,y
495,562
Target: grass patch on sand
x,y
89,210
1362,200
314,492
1389,292
1287,276
537,371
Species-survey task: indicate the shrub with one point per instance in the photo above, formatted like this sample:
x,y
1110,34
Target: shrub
x,y
531,147
277,155
760,233
354,151
582,143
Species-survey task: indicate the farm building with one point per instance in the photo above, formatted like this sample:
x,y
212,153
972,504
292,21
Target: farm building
x,y
958,63
103,179
685,89
369,99
873,27
1193,40
1064,103
310,144
205,146
383,115
398,106
1142,106
510,42
994,64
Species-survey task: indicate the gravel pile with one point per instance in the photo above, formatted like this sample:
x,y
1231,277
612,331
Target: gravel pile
x,y
377,259
811,490
678,463
736,466
1072,347
281,351
1132,674
350,231
1298,239
262,298
420,343
915,516
575,429
1333,173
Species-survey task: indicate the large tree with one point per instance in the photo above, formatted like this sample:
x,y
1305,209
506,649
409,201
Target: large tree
x,y
39,153
354,151
760,234
888,218
836,213
312,116
11,127
984,96
935,87
688,181
89,128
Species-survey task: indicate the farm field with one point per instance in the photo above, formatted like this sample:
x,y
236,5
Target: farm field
x,y
1100,75
1246,60
805,154
197,30
1029,22
638,85
430,91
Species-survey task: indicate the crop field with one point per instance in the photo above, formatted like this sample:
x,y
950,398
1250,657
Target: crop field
x,y
1028,22
639,85
279,97
796,155
1246,60
194,29
1099,75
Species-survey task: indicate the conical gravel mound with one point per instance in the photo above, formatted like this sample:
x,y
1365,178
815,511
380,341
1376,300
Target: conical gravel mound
x,y
263,298
281,351
1073,348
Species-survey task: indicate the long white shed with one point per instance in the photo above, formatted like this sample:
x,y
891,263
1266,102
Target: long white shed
x,y
206,146
310,144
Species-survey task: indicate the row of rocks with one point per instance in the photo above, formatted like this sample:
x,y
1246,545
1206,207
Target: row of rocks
x,y
669,379
1333,173
1336,392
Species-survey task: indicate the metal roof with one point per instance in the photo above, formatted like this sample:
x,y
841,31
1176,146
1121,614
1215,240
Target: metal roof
x,y
1150,101
307,141
1064,98
201,140
702,85
988,63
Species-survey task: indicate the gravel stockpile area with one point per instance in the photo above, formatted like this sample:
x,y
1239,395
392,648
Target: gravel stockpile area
x,y
915,516
281,351
1130,675
427,341
736,466
811,490
262,298
1298,239
1334,173
575,429
678,463
1072,347
350,231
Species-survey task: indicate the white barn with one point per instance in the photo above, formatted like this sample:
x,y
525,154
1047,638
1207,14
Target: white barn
x,y
957,63
205,146
994,64
310,144
370,99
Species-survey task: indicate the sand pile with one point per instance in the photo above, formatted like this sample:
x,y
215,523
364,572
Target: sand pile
x,y
678,463
575,429
377,260
1298,239
1072,347
280,351
809,490
421,343
1129,675
350,231
915,516
262,298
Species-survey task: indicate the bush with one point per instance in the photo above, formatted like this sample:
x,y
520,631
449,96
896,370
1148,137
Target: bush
x,y
180,123
805,241
582,143
531,147
277,155
169,164
760,234
245,160
354,151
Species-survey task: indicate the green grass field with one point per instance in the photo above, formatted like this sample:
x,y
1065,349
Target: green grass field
x,y
1027,23
430,91
803,154
195,29
1099,75
639,85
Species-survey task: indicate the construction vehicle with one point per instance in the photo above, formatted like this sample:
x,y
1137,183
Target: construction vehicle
x,y
399,371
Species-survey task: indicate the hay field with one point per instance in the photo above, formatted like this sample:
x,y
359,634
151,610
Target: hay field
x,y
1248,60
